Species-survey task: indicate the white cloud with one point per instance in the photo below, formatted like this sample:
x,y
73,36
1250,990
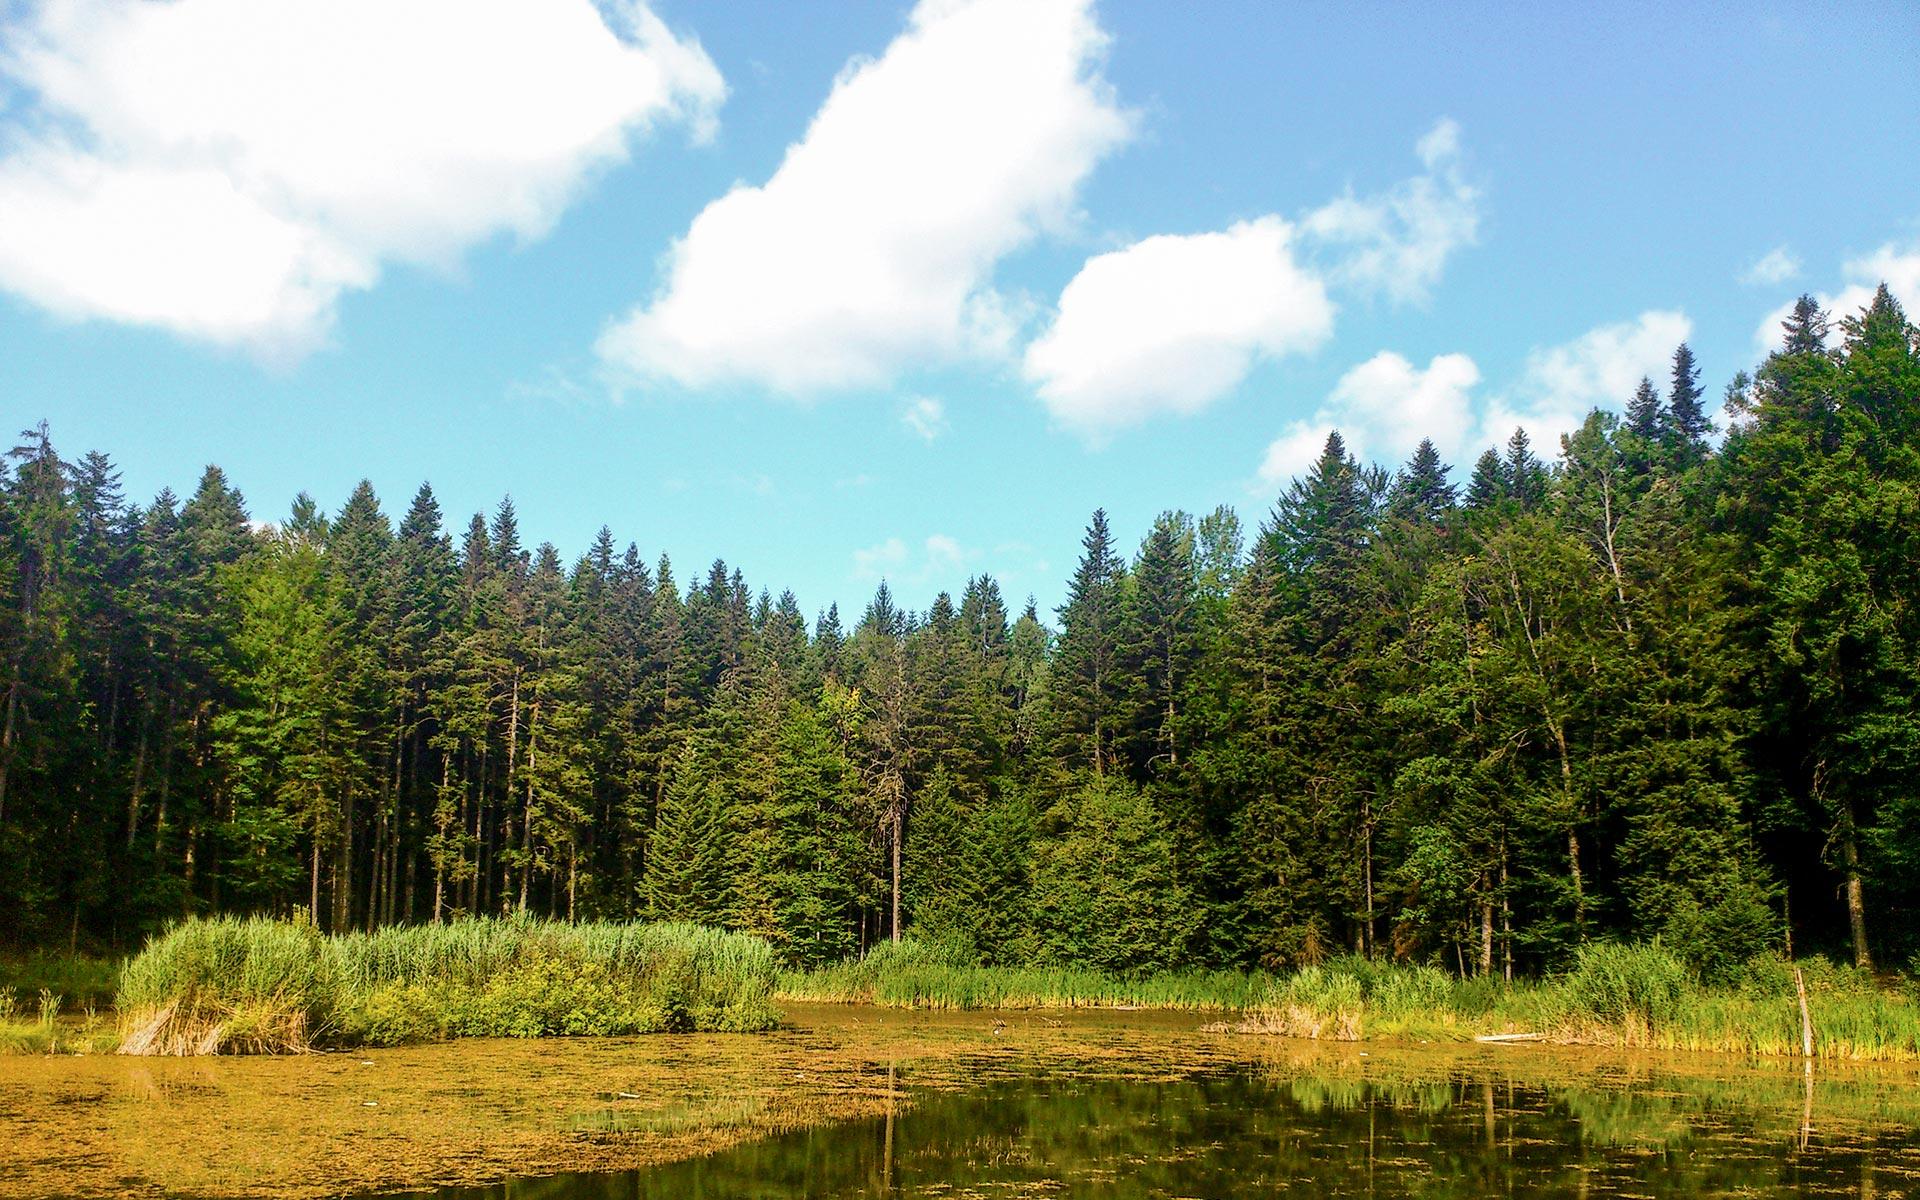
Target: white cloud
x,y
925,416
937,561
1776,266
225,169
873,245
1291,454
1171,323
1398,243
1895,264
1601,368
1383,407
1390,404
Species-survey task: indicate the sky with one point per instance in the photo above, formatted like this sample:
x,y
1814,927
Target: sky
x,y
860,290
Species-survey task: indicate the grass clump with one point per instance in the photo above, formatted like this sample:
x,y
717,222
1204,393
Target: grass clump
x,y
40,1024
263,986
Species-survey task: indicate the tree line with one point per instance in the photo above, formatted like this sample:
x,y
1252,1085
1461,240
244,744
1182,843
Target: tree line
x,y
1662,685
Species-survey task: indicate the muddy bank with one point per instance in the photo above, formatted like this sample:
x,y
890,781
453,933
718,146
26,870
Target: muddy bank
x,y
480,1111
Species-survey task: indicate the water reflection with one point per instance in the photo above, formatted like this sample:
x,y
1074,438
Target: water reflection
x,y
1249,1132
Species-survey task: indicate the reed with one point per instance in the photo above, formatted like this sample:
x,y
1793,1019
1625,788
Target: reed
x,y
913,974
253,985
1620,995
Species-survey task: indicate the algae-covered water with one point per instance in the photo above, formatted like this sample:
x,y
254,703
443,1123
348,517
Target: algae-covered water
x,y
1246,1133
855,1102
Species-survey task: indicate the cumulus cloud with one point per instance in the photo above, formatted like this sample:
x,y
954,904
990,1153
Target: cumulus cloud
x,y
1292,453
1895,264
1397,243
1171,323
1384,406
1601,368
925,416
873,245
226,169
1776,266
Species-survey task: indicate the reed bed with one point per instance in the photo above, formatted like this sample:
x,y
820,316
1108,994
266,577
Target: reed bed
x,y
912,974
253,985
1619,995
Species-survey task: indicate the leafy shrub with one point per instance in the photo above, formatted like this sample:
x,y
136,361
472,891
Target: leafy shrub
x,y
392,1015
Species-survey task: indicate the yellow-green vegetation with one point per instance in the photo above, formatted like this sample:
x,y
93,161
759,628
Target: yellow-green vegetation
x,y
1641,996
262,986
41,1022
917,974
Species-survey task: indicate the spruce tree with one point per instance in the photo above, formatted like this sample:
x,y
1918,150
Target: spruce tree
x,y
1689,420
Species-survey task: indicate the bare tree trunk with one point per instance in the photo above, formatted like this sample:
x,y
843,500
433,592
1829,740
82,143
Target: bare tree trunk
x,y
513,760
343,867
1856,897
1613,557
1486,935
1366,854
1506,914
526,820
898,829
139,778
6,743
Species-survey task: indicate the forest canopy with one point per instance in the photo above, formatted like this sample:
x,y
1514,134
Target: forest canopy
x,y
1662,683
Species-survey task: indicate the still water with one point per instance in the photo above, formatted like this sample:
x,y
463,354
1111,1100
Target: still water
x,y
1466,1131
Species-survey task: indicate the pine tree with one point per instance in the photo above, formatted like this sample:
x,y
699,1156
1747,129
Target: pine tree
x,y
1689,420
1489,485
1526,474
1647,418
1087,685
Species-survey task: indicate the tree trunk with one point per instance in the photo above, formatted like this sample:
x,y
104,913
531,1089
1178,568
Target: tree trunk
x,y
1856,897
1486,935
898,828
139,778
526,817
1366,855
6,744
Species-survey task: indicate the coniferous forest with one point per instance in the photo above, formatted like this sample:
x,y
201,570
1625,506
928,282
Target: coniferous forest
x,y
1662,682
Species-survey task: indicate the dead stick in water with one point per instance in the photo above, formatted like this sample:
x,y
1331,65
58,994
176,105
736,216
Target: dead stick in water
x,y
1806,1021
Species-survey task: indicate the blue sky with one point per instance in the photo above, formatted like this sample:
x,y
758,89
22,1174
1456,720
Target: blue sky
x,y
795,284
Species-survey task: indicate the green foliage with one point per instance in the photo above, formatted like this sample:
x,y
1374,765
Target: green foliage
x,y
476,978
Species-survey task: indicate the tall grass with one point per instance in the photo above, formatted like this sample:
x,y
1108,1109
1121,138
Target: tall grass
x,y
1620,995
1642,996
913,974
258,985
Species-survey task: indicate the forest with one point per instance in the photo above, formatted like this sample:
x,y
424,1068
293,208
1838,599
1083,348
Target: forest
x,y
1663,683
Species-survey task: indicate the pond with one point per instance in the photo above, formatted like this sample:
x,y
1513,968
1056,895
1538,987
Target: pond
x,y
1465,1133
863,1102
